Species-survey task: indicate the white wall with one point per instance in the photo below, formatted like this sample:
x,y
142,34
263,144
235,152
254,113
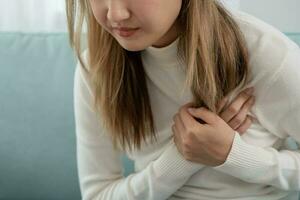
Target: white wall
x,y
32,15
235,4
283,14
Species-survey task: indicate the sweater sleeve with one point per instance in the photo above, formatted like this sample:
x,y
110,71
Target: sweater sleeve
x,y
279,112
99,165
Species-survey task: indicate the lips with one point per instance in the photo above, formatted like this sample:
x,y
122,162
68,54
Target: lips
x,y
125,31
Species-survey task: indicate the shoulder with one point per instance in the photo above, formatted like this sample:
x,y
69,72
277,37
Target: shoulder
x,y
261,34
269,49
84,58
82,76
271,53
82,68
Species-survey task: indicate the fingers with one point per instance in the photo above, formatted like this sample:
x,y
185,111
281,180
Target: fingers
x,y
237,120
187,120
204,114
179,125
221,104
245,125
234,108
176,137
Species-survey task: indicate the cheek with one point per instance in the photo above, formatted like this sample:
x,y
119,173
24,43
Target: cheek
x,y
157,15
99,13
145,14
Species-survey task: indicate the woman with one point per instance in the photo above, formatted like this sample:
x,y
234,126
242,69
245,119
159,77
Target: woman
x,y
157,70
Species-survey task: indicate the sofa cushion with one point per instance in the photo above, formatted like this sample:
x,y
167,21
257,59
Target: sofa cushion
x,y
37,146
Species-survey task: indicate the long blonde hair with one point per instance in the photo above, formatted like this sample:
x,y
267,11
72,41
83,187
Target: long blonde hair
x,y
210,44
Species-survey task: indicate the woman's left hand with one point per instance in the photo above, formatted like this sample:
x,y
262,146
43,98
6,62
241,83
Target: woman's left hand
x,y
209,143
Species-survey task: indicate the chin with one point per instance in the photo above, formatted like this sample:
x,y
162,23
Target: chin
x,y
133,47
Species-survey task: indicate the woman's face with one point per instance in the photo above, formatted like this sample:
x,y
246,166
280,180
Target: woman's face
x,y
137,24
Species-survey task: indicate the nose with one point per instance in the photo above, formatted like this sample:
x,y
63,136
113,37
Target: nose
x,y
117,11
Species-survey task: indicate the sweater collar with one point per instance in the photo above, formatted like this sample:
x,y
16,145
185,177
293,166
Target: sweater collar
x,y
163,55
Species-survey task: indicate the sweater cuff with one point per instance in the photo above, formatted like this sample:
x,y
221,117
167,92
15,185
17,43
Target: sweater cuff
x,y
172,164
247,162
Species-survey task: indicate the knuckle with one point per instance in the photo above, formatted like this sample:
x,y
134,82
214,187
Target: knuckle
x,y
190,131
244,94
244,127
185,143
190,137
232,125
238,120
233,109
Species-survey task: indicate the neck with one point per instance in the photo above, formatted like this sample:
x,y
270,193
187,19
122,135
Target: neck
x,y
169,37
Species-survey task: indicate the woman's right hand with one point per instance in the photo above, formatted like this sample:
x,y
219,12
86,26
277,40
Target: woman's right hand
x,y
235,114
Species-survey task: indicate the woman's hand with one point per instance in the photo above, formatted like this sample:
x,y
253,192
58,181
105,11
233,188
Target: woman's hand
x,y
235,115
209,143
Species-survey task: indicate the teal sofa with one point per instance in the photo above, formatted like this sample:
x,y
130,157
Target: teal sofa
x,y
37,137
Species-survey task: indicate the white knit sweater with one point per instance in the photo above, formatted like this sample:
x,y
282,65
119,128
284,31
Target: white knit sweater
x,y
257,168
